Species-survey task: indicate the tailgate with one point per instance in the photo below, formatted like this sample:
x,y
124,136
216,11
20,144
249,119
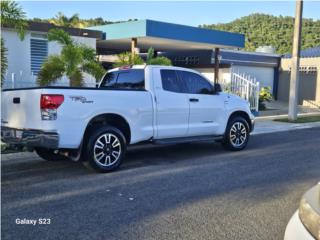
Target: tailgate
x,y
21,108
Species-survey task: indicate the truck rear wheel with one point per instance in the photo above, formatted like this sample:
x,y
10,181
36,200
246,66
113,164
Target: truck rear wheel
x,y
48,154
237,135
105,149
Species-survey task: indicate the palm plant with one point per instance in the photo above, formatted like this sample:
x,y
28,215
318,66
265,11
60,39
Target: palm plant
x,y
62,20
74,60
127,59
14,17
4,60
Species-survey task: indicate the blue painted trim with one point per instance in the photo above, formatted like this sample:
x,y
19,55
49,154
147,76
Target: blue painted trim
x,y
193,34
150,28
307,53
241,58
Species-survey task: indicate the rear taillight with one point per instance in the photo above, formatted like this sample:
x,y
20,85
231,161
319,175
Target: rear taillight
x,y
51,101
49,104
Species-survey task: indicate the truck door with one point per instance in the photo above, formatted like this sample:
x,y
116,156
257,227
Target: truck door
x,y
172,105
206,108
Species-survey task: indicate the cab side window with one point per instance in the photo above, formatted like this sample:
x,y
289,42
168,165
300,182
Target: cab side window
x,y
171,81
195,84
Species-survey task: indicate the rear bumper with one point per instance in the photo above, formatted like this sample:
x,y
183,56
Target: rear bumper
x,y
30,137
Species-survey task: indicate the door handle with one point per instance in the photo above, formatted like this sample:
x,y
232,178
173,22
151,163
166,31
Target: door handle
x,y
193,99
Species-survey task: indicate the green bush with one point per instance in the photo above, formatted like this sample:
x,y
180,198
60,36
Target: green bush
x,y
265,95
160,61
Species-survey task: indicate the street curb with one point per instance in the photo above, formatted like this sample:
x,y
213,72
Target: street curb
x,y
286,115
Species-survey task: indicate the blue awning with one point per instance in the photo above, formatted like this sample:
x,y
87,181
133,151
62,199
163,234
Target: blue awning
x,y
165,36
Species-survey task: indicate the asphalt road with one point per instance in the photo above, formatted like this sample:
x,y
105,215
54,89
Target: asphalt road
x,y
190,191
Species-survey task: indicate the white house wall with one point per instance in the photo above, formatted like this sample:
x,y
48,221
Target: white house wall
x,y
19,56
224,73
264,75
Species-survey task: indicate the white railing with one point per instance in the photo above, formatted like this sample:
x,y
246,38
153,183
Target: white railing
x,y
244,86
20,80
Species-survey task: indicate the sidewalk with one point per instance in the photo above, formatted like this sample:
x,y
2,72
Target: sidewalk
x,y
267,125
280,108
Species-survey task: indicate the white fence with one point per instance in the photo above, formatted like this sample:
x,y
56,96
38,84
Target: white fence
x,y
245,87
19,80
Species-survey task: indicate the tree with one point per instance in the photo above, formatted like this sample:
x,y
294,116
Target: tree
x,y
262,29
14,17
62,20
74,60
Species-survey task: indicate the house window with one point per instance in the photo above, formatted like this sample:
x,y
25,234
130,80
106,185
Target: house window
x,y
186,60
39,53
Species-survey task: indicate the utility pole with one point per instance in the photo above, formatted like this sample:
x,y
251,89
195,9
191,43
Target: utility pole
x,y
294,79
216,65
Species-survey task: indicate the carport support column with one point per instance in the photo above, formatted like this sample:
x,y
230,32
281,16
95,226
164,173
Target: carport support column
x,y
216,65
134,44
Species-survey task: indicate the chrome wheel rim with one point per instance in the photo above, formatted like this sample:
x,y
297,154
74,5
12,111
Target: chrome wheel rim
x,y
107,150
238,134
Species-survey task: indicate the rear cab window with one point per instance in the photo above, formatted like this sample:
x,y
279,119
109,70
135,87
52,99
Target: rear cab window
x,y
129,79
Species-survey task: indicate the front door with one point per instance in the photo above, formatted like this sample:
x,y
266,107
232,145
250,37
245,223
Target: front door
x,y
172,105
206,108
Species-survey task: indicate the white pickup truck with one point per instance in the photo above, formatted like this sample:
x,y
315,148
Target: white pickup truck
x,y
157,104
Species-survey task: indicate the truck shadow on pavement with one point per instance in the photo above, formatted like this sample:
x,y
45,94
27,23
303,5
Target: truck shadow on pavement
x,y
156,183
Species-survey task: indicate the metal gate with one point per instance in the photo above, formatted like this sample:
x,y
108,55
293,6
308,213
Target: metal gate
x,y
244,86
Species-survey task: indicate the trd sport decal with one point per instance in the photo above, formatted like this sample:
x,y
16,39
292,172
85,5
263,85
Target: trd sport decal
x,y
81,99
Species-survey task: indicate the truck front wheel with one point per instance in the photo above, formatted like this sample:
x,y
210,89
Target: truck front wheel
x,y
236,135
105,149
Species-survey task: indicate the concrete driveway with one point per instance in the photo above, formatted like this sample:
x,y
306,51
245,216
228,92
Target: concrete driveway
x,y
189,191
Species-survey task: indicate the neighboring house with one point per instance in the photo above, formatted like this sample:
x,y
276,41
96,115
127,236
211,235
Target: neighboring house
x,y
26,57
309,73
261,66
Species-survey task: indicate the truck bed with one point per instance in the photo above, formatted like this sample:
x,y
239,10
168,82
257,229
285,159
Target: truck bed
x,y
21,110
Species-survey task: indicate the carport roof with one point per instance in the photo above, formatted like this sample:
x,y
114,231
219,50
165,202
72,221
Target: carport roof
x,y
165,36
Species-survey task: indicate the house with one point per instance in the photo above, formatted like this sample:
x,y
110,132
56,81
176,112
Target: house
x,y
26,57
189,47
309,74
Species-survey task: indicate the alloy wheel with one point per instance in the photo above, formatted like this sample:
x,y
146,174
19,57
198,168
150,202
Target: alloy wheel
x,y
107,150
238,134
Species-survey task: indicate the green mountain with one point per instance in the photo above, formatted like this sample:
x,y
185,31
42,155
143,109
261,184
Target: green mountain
x,y
261,29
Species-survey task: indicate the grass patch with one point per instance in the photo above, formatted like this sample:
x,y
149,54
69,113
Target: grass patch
x,y
305,119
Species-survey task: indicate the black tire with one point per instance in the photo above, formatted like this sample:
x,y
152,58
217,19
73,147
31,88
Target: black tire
x,y
49,155
237,134
110,156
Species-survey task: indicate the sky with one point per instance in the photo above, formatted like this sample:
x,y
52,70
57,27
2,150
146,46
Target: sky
x,y
181,12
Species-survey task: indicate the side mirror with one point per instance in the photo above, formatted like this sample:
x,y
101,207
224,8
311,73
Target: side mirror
x,y
217,87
